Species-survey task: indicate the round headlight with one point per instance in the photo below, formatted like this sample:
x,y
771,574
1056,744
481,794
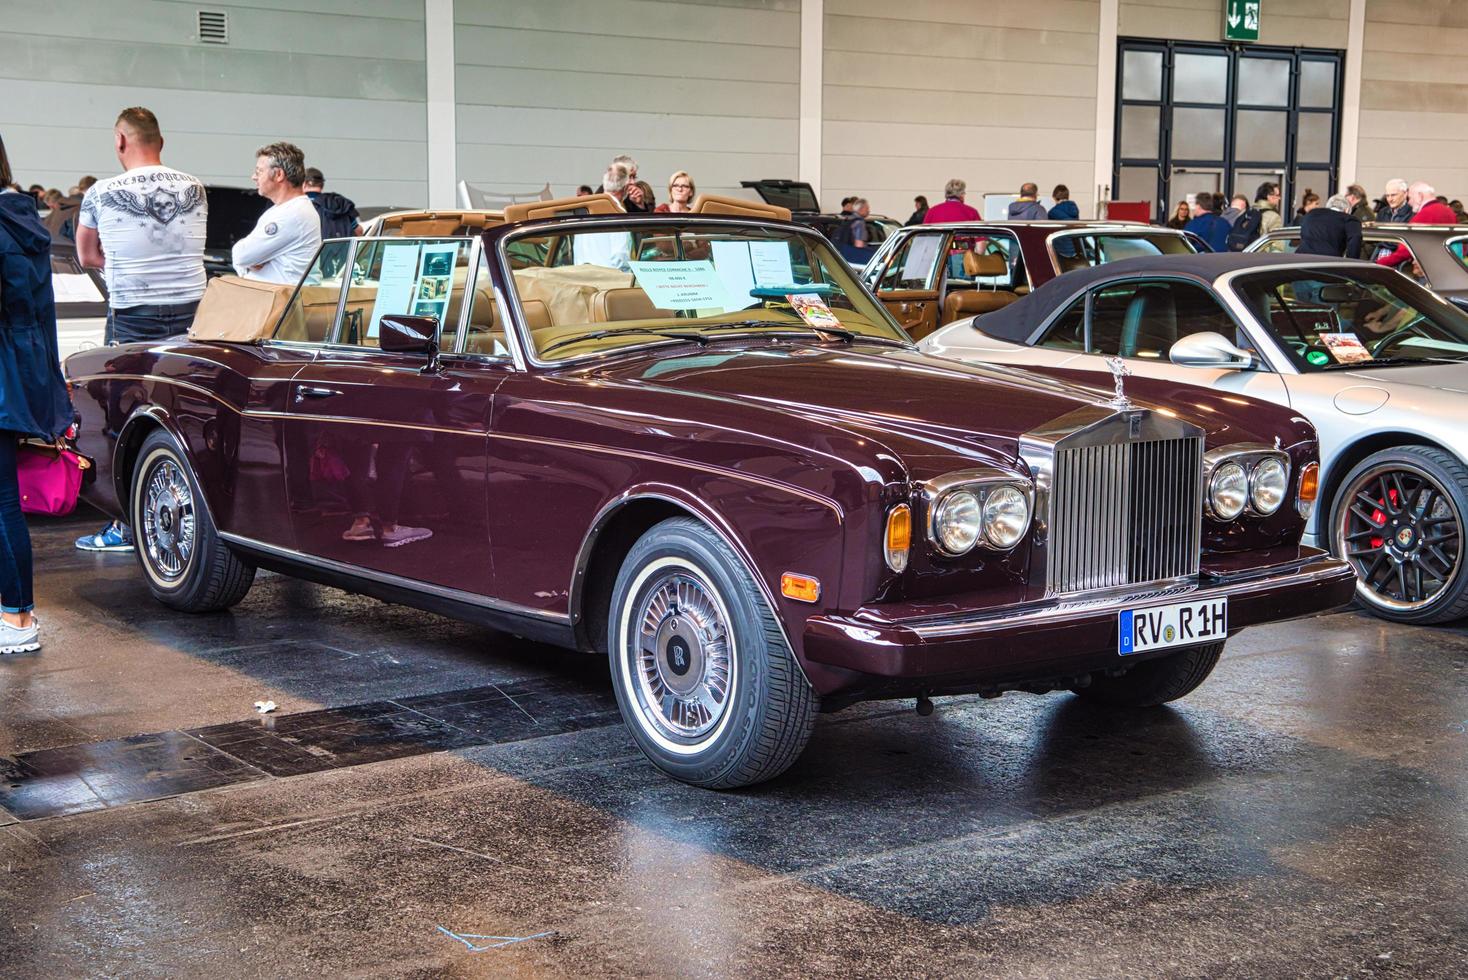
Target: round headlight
x,y
1228,491
1006,516
956,522
1267,486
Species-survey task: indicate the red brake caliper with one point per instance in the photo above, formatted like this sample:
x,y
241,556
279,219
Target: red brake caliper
x,y
1379,518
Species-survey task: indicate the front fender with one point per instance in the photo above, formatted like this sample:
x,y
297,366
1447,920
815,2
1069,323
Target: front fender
x,y
817,550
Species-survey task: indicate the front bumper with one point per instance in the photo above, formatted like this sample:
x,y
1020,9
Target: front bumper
x,y
1054,638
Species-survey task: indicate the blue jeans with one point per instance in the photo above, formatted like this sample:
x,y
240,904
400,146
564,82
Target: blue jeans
x,y
145,323
15,537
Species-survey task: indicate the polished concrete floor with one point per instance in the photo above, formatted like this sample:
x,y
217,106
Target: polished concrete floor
x,y
476,808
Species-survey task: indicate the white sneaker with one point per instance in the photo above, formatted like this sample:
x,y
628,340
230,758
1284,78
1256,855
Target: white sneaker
x,y
16,639
401,535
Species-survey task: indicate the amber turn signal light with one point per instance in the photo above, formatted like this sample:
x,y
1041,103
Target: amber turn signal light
x,y
899,537
1309,489
802,588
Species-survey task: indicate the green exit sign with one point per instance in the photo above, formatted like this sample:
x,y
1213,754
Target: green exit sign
x,y
1241,20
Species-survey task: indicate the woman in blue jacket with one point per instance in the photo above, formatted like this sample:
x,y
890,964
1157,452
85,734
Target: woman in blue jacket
x,y
33,398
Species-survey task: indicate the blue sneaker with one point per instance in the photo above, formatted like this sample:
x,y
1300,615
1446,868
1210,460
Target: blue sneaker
x,y
114,536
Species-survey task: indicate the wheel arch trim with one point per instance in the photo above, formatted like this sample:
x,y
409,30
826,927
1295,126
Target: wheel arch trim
x,y
694,507
130,439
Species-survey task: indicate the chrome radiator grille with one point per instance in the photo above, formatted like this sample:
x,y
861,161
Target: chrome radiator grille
x,y
1123,513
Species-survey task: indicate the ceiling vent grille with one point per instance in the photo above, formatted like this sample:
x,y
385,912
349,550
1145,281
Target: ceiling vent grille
x,y
213,27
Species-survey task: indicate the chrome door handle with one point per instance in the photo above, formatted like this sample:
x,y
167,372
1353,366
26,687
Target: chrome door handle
x,y
306,391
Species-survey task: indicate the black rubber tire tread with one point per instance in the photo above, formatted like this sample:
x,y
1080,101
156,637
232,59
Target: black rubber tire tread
x,y
1453,475
217,579
1154,682
785,719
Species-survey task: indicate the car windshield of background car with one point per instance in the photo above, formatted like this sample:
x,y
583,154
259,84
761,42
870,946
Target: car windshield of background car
x,y
1362,319
1092,250
614,288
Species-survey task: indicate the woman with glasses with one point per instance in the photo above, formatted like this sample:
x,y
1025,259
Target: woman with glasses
x,y
680,193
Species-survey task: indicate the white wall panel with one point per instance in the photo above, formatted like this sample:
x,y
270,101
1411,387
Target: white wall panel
x,y
1414,97
996,94
1303,23
552,91
344,79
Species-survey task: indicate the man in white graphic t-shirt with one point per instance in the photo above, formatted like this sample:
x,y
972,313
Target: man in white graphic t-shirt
x,y
145,229
288,234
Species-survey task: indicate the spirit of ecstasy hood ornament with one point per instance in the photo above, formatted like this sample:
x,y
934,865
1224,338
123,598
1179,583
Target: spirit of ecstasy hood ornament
x,y
1119,371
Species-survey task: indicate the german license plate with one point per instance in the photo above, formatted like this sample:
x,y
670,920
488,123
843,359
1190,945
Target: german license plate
x,y
1180,624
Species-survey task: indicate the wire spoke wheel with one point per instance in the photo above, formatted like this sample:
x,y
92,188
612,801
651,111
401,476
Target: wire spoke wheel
x,y
168,532
1403,534
683,658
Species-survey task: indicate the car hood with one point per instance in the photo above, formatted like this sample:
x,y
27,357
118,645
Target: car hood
x,y
913,403
1449,378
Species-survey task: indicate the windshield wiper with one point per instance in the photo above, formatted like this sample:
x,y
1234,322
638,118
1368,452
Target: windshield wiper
x,y
838,333
1391,362
696,338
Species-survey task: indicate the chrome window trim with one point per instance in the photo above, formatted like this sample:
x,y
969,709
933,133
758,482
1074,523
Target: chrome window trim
x,y
1131,231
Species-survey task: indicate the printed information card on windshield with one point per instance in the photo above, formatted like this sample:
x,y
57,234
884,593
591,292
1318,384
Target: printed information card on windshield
x,y
1181,624
690,285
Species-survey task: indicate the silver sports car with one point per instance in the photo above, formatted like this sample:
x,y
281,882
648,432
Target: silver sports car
x,y
1378,364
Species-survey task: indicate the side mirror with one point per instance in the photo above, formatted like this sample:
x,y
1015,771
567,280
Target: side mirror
x,y
1209,350
399,333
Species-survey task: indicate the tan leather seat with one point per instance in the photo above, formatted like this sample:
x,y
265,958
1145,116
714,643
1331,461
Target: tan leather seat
x,y
960,303
625,304
972,302
537,314
985,264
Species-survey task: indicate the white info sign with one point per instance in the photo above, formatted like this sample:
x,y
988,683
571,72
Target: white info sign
x,y
689,285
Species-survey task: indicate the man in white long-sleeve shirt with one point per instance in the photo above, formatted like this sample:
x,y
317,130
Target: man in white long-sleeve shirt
x,y
288,234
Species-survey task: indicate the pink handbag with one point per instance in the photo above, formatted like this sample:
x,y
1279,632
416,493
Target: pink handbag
x,y
50,479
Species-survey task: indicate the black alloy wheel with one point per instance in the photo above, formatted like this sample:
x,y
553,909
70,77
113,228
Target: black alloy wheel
x,y
1398,520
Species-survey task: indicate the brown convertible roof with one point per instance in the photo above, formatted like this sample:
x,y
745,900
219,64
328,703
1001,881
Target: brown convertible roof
x,y
1019,321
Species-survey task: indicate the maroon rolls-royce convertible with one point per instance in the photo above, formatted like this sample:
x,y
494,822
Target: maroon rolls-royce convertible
x,y
697,444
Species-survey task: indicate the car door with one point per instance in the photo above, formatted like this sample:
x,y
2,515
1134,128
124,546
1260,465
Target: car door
x,y
908,284
1140,319
259,484
385,451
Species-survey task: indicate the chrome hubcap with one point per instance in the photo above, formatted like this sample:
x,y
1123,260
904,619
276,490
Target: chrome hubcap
x,y
683,659
1403,535
168,519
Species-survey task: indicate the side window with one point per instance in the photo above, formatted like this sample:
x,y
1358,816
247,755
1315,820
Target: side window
x,y
913,263
1068,332
312,309
989,260
485,332
1279,245
1382,247
1144,319
416,276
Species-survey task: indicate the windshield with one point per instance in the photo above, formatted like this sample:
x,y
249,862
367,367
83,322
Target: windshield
x,y
1082,249
593,291
1363,318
